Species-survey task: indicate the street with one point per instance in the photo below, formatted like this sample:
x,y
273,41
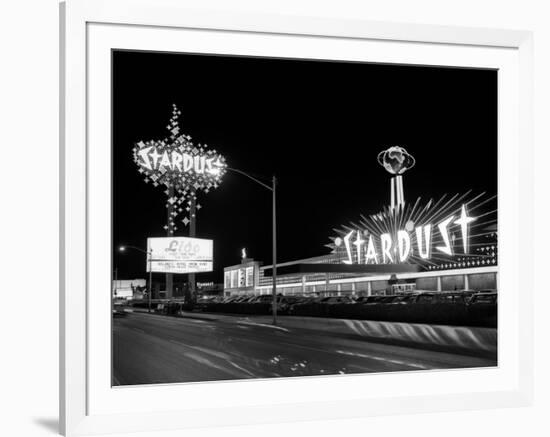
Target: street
x,y
151,349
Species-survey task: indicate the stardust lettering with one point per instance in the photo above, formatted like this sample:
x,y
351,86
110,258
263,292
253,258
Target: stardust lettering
x,y
387,248
151,159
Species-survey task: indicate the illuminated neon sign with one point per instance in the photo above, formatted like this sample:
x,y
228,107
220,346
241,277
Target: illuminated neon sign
x,y
388,249
434,234
182,167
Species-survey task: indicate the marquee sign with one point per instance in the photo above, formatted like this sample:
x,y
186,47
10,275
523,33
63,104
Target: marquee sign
x,y
179,255
457,231
180,166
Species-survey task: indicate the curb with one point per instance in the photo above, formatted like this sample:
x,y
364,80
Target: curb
x,y
471,339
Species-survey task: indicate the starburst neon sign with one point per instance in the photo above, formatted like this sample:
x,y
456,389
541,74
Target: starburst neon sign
x,y
400,248
429,234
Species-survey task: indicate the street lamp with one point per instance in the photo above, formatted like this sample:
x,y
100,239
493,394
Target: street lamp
x,y
149,256
273,190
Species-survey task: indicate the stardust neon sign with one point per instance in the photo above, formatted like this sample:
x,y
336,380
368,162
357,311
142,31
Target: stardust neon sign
x,y
398,246
152,159
182,167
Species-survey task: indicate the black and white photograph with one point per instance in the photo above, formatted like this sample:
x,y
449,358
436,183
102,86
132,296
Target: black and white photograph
x,y
276,218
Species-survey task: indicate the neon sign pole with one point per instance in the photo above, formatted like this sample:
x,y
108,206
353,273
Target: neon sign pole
x,y
183,168
396,161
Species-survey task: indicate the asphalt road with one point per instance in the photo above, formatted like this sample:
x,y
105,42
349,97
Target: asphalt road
x,y
151,349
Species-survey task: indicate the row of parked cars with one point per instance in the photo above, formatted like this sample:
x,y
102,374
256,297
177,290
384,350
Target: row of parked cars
x,y
462,308
293,304
466,308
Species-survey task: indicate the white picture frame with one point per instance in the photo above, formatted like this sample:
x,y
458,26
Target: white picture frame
x,y
90,29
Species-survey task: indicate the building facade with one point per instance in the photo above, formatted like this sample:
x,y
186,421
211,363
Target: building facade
x,y
337,284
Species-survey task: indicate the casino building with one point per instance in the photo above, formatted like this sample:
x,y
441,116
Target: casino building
x,y
442,245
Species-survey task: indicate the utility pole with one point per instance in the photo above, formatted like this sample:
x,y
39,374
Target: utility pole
x,y
274,245
273,190
150,259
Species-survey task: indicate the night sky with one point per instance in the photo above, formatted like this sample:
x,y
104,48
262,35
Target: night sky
x,y
317,125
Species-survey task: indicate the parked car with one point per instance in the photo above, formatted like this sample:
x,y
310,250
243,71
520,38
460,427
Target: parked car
x,y
202,303
294,300
373,300
482,309
402,299
453,297
234,299
304,305
283,302
331,300
487,290
118,311
263,298
484,298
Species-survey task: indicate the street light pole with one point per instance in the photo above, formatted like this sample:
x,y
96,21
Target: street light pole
x,y
273,190
274,244
149,254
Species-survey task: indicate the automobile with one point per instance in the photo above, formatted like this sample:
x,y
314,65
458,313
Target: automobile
x,y
293,300
373,300
302,303
203,300
443,297
482,309
427,297
263,298
484,298
453,297
202,303
233,299
118,311
283,302
402,299
361,299
244,299
331,300
487,290
466,293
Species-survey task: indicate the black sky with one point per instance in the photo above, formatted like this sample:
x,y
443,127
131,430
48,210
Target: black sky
x,y
317,125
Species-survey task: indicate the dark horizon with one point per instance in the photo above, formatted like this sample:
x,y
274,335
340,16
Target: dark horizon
x,y
317,125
